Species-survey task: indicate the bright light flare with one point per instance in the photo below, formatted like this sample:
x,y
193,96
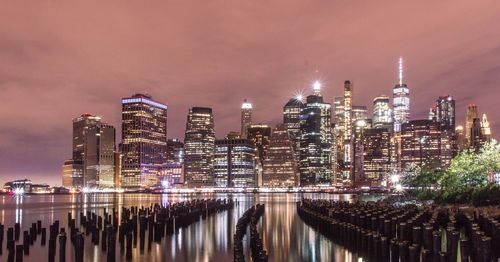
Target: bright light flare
x,y
317,86
18,191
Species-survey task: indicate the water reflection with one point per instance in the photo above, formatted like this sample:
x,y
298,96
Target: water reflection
x,y
285,236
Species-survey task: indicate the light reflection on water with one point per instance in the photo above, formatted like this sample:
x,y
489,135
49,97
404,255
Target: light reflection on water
x,y
285,236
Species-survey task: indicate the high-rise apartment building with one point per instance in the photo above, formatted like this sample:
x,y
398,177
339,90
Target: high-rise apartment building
x,y
246,117
401,100
144,141
280,167
234,164
199,147
316,140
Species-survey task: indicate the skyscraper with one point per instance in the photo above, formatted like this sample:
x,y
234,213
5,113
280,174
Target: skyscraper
x,y
445,113
476,134
73,170
382,112
485,128
259,135
348,146
401,100
377,154
291,116
359,113
470,116
144,140
316,140
93,162
291,121
423,144
338,138
246,117
234,164
175,151
280,167
99,156
199,146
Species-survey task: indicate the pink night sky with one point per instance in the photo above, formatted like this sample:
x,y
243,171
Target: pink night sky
x,y
59,59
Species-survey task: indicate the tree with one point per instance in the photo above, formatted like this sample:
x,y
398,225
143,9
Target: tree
x,y
470,168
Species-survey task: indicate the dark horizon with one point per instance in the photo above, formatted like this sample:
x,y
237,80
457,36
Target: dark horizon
x,y
62,60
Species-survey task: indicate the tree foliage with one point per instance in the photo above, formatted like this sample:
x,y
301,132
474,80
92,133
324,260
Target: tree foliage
x,y
464,181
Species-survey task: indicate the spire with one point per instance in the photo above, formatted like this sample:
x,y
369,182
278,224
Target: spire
x,y
400,71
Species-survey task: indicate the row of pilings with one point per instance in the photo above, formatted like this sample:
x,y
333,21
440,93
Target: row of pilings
x,y
380,232
136,225
250,217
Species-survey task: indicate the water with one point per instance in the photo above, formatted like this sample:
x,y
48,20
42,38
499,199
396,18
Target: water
x,y
285,236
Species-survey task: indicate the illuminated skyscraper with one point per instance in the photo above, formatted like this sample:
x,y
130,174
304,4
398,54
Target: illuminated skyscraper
x,y
234,164
73,170
144,140
279,167
471,115
382,112
99,156
423,144
175,151
199,146
445,113
461,141
291,121
246,117
476,134
377,154
485,128
316,140
291,116
338,138
259,135
348,146
359,113
401,101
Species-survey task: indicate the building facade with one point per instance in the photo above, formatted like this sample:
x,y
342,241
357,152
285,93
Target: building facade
x,y
423,144
144,141
377,154
234,164
199,147
348,136
316,141
99,156
382,112
280,167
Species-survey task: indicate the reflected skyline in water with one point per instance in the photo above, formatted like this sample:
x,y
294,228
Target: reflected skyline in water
x,y
284,235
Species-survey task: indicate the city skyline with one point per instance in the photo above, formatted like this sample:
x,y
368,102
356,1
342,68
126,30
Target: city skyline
x,y
36,138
